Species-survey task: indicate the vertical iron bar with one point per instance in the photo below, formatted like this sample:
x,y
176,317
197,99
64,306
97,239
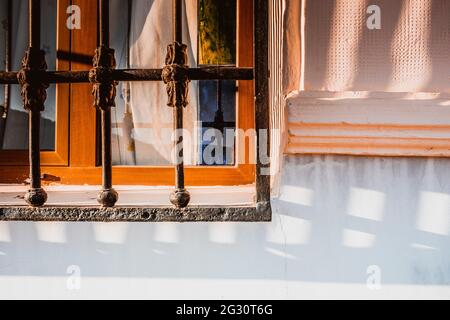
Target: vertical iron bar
x,y
178,21
7,87
104,23
178,112
33,93
34,134
108,196
34,25
180,197
34,121
106,149
105,113
178,121
261,74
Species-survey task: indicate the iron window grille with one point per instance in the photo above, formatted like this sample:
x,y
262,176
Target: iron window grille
x,y
34,79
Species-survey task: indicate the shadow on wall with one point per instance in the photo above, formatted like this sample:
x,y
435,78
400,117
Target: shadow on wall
x,y
336,217
408,54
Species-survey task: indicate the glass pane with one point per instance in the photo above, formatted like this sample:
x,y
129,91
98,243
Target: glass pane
x,y
217,99
16,136
217,115
217,32
142,121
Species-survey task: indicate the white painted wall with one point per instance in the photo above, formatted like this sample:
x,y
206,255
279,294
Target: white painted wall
x,y
336,217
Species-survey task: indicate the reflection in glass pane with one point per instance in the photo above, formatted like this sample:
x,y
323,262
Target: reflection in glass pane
x,y
217,115
142,121
217,32
16,136
217,99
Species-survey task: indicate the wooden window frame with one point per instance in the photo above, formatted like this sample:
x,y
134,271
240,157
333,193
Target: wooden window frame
x,y
75,159
10,159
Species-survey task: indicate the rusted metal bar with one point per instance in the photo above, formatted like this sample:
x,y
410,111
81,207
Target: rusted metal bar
x,y
6,88
180,197
261,70
176,76
204,73
34,95
8,77
104,92
177,21
221,73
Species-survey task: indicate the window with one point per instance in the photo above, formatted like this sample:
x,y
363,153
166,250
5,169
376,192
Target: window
x,y
130,147
148,168
368,89
14,119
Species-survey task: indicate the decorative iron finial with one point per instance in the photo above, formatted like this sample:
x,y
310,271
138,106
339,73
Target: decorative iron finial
x,y
104,87
34,84
33,80
104,92
175,75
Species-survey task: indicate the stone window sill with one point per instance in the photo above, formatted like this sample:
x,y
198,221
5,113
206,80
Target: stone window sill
x,y
136,204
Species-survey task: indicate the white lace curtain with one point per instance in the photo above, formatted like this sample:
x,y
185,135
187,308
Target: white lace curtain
x,y
408,54
144,127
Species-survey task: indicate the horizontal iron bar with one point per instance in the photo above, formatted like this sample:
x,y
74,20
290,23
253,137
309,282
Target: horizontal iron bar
x,y
206,73
8,77
221,73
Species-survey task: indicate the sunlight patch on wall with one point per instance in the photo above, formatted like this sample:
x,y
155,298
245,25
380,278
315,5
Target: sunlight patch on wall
x,y
5,234
357,239
51,232
367,204
167,233
297,195
422,247
159,252
224,233
411,56
434,213
112,233
281,254
345,37
289,230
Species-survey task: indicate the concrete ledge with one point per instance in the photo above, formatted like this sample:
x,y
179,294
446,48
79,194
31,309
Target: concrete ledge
x,y
128,214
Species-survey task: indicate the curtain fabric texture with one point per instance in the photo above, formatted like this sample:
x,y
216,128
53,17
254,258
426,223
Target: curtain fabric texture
x,y
409,53
144,125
